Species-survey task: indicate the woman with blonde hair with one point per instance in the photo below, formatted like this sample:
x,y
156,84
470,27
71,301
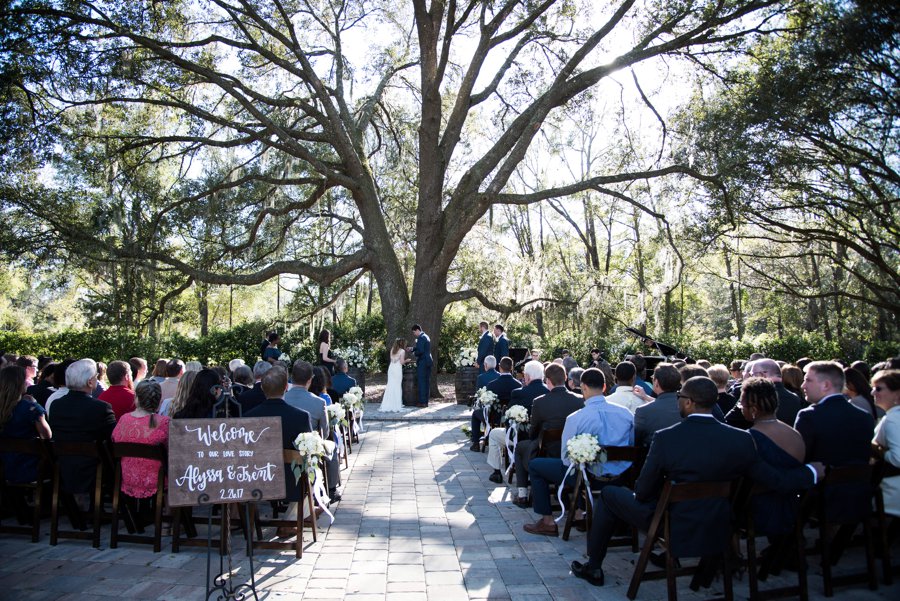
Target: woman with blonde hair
x,y
171,406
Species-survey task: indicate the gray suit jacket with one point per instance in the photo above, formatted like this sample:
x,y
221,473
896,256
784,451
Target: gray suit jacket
x,y
656,415
301,398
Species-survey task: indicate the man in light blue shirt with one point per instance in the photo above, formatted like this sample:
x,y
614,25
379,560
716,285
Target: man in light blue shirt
x,y
612,424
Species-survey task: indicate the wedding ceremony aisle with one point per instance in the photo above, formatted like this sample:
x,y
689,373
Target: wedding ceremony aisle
x,y
419,520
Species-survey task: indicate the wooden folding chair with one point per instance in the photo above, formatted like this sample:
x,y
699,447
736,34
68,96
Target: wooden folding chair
x,y
547,437
96,451
142,451
883,469
634,455
306,495
675,493
18,492
860,475
755,572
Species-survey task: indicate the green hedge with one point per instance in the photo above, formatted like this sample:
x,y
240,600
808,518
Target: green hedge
x,y
243,341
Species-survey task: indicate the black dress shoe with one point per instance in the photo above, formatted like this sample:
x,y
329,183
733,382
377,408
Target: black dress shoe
x,y
523,502
592,575
496,477
475,447
334,495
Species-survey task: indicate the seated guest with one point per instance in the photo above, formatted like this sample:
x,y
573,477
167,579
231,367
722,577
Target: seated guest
x,y
788,402
42,390
573,381
780,446
29,364
300,397
736,369
101,374
138,367
836,433
20,417
195,366
490,373
535,355
317,386
120,394
863,368
249,399
341,382
547,412
663,411
242,380
719,374
169,407
294,421
59,380
624,390
858,390
792,378
886,390
142,426
502,386
598,361
534,387
200,397
159,372
174,371
681,453
78,417
613,425
640,364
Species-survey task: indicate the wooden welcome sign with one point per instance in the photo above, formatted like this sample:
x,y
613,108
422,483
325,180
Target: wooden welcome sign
x,y
225,460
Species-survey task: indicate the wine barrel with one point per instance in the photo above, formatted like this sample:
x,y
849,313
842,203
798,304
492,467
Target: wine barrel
x,y
465,384
410,388
358,375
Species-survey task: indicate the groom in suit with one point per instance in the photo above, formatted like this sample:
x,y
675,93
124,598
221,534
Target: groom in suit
x,y
485,346
501,347
422,351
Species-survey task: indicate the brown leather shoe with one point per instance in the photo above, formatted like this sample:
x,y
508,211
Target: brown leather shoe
x,y
286,532
540,528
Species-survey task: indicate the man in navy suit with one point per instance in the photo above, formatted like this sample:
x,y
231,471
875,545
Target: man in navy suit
x,y
490,373
502,386
485,346
698,449
501,347
341,382
836,432
293,421
422,351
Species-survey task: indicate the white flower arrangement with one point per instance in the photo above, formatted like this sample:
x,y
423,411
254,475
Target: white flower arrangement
x,y
485,397
284,357
353,399
353,354
311,447
336,415
466,357
585,449
466,430
516,415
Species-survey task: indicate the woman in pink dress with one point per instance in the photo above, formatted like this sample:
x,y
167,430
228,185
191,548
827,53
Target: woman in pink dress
x,y
142,426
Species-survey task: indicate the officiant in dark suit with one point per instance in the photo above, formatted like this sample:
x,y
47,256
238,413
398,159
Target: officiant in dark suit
x,y
422,351
501,346
485,346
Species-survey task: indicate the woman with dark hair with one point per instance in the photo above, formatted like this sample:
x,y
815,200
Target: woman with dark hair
x,y
325,358
272,352
792,378
321,381
142,426
857,389
778,445
200,399
43,388
20,417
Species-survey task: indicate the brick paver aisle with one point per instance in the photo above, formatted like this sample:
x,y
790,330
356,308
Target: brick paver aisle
x,y
419,520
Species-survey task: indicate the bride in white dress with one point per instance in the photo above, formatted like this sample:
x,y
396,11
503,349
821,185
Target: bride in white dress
x,y
392,402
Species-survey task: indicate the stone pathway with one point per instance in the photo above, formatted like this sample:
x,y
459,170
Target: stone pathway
x,y
419,520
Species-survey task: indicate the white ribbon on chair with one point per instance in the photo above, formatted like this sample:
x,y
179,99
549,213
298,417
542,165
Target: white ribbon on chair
x,y
321,494
357,424
511,443
487,422
562,485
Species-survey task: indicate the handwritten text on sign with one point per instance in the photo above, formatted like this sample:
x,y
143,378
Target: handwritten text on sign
x,y
225,460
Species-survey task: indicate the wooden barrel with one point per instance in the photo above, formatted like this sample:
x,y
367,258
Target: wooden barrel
x,y
465,384
410,388
358,375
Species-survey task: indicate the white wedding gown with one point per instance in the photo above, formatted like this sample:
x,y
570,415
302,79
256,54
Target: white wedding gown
x,y
392,402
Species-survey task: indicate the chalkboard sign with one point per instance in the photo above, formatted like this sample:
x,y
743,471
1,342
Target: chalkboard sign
x,y
225,460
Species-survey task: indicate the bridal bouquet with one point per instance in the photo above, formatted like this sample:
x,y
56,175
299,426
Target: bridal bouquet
x,y
285,357
517,416
485,397
336,414
466,357
585,449
354,355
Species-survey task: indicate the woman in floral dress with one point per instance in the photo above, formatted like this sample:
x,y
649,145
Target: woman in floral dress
x,y
142,426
